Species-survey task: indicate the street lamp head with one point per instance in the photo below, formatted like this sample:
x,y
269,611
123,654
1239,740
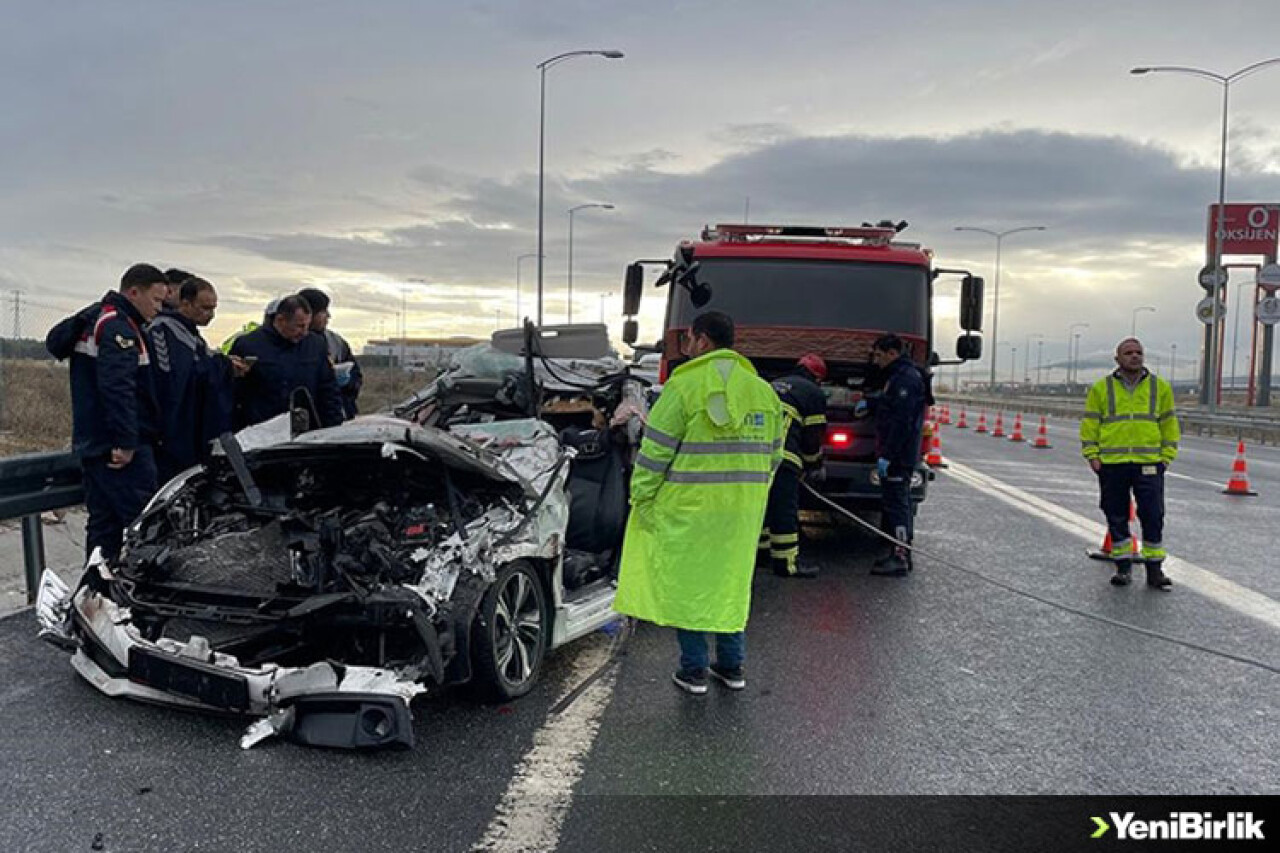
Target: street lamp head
x,y
611,54
1142,70
607,206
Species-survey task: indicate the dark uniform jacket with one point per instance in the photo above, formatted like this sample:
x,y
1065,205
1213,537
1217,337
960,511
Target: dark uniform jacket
x,y
899,411
193,388
281,367
113,402
804,411
340,353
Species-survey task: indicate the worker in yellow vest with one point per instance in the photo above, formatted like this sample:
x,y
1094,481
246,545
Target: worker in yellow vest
x,y
1129,436
698,494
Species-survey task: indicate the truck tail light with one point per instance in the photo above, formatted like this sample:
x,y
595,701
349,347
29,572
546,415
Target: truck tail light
x,y
839,437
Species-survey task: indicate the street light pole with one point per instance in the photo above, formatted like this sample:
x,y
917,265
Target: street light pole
x,y
995,301
519,261
1173,364
1026,357
572,211
1133,326
1039,359
1235,337
542,141
603,297
1071,353
1210,390
1013,366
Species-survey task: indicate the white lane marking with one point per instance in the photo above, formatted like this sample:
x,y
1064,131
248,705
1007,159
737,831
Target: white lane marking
x,y
1176,475
532,811
1209,584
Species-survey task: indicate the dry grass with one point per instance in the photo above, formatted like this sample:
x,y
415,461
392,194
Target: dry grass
x,y
35,401
385,386
35,406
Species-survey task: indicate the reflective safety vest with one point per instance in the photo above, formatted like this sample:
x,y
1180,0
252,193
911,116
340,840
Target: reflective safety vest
x,y
698,496
244,330
1124,425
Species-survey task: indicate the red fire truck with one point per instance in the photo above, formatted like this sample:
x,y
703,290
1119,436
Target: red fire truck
x,y
797,289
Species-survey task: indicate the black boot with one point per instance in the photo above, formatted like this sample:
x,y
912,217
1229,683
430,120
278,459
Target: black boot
x,y
1123,570
1156,577
896,566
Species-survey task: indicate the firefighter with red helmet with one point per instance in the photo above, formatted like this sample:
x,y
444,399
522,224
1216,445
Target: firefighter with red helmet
x,y
804,415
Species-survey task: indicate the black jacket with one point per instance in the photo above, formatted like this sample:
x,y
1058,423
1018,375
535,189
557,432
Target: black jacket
x,y
340,353
281,367
899,410
113,402
804,411
194,391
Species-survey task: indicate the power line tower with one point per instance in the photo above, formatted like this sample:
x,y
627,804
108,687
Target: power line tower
x,y
17,314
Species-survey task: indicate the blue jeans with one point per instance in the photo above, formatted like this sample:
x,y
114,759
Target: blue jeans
x,y
731,649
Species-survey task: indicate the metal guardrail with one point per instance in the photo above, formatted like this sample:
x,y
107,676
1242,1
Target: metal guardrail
x,y
1265,429
29,485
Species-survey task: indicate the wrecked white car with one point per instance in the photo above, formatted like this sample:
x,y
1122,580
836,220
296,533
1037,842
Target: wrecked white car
x,y
321,582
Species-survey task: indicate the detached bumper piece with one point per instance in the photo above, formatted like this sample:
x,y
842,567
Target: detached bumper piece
x,y
350,721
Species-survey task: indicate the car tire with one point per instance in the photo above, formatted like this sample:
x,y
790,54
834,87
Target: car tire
x,y
511,633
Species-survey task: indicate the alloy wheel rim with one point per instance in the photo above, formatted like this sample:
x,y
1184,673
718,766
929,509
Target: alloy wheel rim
x,y
517,627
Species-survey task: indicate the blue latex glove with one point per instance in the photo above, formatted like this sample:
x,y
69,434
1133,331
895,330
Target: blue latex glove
x,y
860,409
882,465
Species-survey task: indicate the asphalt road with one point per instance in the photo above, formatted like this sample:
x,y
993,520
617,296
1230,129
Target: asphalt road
x,y
940,683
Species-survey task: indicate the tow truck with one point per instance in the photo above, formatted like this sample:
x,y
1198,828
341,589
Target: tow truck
x,y
831,290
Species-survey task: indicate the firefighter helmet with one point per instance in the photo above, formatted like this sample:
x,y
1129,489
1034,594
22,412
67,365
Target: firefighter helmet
x,y
813,363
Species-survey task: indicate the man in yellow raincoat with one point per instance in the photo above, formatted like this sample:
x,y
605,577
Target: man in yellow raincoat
x,y
698,497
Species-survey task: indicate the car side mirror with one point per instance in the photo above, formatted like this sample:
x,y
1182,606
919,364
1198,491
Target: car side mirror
x,y
700,294
630,332
632,290
971,304
969,347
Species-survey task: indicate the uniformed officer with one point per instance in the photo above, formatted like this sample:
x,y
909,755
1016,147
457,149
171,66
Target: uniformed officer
x,y
804,415
1129,435
899,417
193,382
115,422
345,367
286,357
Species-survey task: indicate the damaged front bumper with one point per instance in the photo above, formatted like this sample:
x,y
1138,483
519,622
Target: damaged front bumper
x,y
324,704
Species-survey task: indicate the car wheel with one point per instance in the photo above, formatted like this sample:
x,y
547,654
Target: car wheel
x,y
511,633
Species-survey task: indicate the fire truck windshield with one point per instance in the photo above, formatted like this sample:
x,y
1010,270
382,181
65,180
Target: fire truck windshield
x,y
807,292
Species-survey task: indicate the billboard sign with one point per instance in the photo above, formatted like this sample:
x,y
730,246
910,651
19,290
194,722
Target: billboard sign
x,y
1248,229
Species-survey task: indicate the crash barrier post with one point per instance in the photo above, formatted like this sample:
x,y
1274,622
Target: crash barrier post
x,y
1239,482
1017,429
1042,436
29,485
1104,553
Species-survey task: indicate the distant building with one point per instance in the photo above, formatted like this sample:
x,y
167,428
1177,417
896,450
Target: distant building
x,y
418,353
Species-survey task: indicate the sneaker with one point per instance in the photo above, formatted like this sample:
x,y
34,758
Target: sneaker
x,y
691,681
1120,578
1157,578
733,678
894,567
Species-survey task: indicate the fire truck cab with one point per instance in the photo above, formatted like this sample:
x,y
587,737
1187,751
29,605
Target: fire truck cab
x,y
830,290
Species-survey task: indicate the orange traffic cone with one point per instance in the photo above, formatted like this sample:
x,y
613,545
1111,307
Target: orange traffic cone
x,y
962,423
934,457
945,420
1042,436
998,432
1239,482
1017,429
982,422
1104,553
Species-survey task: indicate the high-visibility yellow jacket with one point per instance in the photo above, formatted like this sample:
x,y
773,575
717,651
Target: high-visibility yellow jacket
x,y
244,330
1124,425
698,495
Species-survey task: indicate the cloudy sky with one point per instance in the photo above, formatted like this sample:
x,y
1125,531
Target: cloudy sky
x,y
387,150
